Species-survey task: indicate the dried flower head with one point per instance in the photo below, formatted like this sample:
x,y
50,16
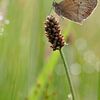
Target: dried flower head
x,y
52,31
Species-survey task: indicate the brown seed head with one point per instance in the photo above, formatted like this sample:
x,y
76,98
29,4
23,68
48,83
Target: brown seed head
x,y
52,31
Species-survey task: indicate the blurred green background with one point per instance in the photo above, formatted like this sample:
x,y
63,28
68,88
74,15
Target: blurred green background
x,y
30,70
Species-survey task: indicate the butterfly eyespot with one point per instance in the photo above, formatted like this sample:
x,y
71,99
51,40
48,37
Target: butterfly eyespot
x,y
80,2
83,15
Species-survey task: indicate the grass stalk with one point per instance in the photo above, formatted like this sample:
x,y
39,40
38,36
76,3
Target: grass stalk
x,y
67,73
99,86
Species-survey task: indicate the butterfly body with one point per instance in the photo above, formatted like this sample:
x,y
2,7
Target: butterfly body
x,y
75,10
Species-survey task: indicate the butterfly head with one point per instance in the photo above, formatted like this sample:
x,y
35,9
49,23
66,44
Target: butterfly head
x,y
57,8
54,4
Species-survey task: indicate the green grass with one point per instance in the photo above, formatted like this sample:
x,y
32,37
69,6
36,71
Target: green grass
x,y
28,69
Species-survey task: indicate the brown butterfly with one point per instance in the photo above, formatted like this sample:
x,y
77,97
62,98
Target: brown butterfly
x,y
75,10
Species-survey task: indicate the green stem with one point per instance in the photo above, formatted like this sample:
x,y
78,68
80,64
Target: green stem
x,y
99,86
67,73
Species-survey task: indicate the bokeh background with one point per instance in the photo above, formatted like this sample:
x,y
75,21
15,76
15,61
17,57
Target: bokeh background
x,y
30,70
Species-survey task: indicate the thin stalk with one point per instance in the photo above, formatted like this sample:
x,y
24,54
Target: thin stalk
x,y
99,86
67,74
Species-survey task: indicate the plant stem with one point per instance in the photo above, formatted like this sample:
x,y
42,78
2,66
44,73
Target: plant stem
x,y
99,86
67,73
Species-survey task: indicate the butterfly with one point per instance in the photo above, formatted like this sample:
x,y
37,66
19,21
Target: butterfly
x,y
75,10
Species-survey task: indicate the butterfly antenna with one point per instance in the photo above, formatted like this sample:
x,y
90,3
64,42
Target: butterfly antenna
x,y
51,8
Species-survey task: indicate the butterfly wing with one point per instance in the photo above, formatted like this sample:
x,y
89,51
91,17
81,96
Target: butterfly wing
x,y
69,9
85,8
75,10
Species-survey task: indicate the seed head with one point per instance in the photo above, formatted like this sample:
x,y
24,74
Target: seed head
x,y
52,31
